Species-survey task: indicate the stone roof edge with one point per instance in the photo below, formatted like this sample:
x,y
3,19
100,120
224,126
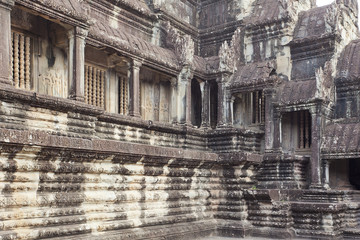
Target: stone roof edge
x,y
57,11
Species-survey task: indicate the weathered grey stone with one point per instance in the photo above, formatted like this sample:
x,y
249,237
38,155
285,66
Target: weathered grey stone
x,y
194,119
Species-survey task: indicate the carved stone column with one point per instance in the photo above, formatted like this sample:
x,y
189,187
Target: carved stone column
x,y
315,160
184,96
269,122
277,131
174,102
134,82
326,173
223,102
205,114
76,58
5,41
229,109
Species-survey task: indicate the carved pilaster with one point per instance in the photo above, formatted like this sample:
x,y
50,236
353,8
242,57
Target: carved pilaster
x,y
134,85
5,41
77,38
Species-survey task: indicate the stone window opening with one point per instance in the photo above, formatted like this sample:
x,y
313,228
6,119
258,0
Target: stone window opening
x,y
258,107
106,82
343,174
123,94
39,53
249,109
94,85
21,60
296,132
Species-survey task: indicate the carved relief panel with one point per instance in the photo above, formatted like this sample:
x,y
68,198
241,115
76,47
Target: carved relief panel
x,y
155,97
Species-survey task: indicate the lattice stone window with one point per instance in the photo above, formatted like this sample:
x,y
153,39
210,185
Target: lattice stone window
x,y
95,85
21,60
304,129
123,95
258,107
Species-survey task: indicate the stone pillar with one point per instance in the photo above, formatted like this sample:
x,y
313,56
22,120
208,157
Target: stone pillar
x,y
76,59
277,131
315,160
134,88
229,109
5,41
174,102
326,172
184,96
221,104
205,114
269,119
223,101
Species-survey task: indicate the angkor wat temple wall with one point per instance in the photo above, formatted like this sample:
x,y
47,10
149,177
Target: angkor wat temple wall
x,y
156,119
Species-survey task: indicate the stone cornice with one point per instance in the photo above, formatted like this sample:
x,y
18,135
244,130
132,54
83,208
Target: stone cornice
x,y
8,4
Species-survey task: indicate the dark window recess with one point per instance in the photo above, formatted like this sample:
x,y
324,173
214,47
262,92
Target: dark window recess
x,y
258,105
304,121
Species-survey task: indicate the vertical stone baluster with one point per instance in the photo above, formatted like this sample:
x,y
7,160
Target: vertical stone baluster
x,y
98,77
86,84
22,61
257,107
91,75
27,64
121,95
126,95
262,106
16,59
12,58
95,85
102,88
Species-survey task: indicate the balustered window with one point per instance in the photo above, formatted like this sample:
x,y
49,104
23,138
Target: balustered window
x,y
123,93
249,109
304,118
95,85
39,51
258,107
21,60
296,131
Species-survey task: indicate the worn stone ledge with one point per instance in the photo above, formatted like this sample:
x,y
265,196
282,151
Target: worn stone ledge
x,y
41,138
